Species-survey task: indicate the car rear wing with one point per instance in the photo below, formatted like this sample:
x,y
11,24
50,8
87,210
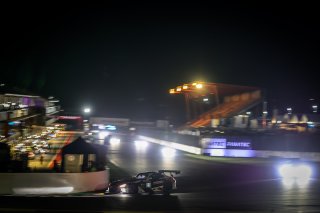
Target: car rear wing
x,y
170,171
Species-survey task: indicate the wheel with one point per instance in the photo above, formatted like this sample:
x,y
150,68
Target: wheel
x,y
133,189
150,192
167,187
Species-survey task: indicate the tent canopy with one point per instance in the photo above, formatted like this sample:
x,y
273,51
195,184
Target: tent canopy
x,y
79,146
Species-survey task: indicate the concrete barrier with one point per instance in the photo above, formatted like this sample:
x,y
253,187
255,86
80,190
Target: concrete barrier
x,y
179,146
53,183
309,156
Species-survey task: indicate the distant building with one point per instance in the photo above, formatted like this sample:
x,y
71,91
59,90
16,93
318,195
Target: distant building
x,y
299,121
19,110
4,157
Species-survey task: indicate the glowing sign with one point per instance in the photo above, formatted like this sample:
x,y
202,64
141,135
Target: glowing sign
x,y
214,143
239,144
223,143
230,152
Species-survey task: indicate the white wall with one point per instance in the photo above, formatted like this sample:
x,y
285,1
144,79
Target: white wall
x,y
53,183
312,156
179,146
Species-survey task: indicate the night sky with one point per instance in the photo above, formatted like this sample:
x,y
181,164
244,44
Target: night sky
x,y
122,59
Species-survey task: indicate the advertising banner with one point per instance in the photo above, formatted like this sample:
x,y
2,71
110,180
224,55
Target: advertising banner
x,y
225,143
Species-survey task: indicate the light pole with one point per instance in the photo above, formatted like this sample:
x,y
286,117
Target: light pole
x,y
186,97
289,110
264,114
87,111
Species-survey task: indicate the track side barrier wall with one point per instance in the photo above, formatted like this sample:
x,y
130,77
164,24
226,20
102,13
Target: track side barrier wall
x,y
179,146
310,156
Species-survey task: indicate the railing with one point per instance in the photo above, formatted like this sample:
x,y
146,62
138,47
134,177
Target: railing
x,y
230,107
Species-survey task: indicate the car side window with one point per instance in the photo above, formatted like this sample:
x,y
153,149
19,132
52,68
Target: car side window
x,y
141,176
156,176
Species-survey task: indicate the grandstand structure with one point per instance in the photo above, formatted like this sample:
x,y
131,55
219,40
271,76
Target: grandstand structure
x,y
226,101
19,109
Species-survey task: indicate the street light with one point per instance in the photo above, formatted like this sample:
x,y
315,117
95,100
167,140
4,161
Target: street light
x,y
314,108
87,110
199,86
86,116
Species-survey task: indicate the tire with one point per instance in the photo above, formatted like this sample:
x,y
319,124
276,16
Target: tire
x,y
167,188
150,192
133,189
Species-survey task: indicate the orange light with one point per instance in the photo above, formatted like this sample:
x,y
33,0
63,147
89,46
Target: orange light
x,y
178,89
171,91
185,86
199,86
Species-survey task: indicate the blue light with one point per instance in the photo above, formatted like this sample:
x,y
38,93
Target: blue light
x,y
311,126
230,152
13,123
111,127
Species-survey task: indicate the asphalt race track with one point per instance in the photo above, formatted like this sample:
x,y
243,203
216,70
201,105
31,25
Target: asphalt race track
x,y
204,185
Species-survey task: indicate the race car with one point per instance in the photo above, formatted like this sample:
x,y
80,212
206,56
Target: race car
x,y
295,171
146,183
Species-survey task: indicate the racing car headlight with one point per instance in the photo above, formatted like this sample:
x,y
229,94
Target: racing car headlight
x,y
293,171
123,185
102,135
114,141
